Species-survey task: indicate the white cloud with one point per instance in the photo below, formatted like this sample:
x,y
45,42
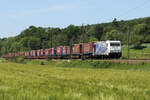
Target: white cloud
x,y
34,12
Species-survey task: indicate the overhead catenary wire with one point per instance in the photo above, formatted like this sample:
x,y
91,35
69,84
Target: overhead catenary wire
x,y
128,11
134,8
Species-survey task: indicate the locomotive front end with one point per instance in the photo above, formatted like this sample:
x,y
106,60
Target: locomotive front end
x,y
115,50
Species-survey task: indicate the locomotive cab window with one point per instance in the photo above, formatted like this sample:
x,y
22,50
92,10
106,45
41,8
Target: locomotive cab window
x,y
114,44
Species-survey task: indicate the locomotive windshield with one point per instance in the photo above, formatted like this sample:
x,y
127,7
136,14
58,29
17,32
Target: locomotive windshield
x,y
114,44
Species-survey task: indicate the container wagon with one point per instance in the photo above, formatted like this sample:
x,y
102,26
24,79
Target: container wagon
x,y
95,50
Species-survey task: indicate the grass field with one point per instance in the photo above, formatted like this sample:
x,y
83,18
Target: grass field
x,y
137,53
80,81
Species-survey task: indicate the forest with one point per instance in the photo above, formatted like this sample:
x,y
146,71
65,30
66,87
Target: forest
x,y
135,32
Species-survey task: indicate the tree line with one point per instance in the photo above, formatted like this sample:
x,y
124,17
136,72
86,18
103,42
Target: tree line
x,y
136,31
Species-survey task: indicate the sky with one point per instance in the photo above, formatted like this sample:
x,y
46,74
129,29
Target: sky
x,y
17,15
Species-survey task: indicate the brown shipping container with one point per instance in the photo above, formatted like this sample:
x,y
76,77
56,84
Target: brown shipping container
x,y
76,49
50,51
68,50
88,47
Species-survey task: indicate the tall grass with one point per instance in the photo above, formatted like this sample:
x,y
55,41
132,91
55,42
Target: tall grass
x,y
104,65
74,80
136,53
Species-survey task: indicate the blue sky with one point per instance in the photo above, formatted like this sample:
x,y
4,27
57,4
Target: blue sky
x,y
17,15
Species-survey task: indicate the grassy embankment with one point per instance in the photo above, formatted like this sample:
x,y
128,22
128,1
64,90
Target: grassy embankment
x,y
74,80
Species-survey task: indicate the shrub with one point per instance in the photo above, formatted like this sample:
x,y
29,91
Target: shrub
x,y
42,63
19,59
100,64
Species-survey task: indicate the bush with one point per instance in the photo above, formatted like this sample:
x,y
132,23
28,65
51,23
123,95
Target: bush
x,y
101,64
42,63
71,63
86,63
3,60
19,59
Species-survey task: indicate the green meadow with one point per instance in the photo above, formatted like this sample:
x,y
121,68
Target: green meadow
x,y
141,53
74,80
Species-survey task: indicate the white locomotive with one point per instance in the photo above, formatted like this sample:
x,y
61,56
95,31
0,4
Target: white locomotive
x,y
108,48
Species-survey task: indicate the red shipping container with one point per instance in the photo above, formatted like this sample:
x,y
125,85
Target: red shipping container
x,y
88,47
33,53
65,50
52,51
59,50
30,53
26,54
21,53
9,55
47,52
38,52
76,49
16,54
42,52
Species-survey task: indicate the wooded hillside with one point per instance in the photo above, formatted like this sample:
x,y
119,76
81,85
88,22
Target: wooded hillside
x,y
40,38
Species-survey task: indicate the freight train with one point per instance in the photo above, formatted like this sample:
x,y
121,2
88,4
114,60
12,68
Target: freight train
x,y
92,50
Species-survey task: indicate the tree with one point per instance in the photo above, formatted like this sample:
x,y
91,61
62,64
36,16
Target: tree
x,y
73,34
39,37
136,40
113,35
34,43
24,42
16,47
115,23
142,30
91,39
99,31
